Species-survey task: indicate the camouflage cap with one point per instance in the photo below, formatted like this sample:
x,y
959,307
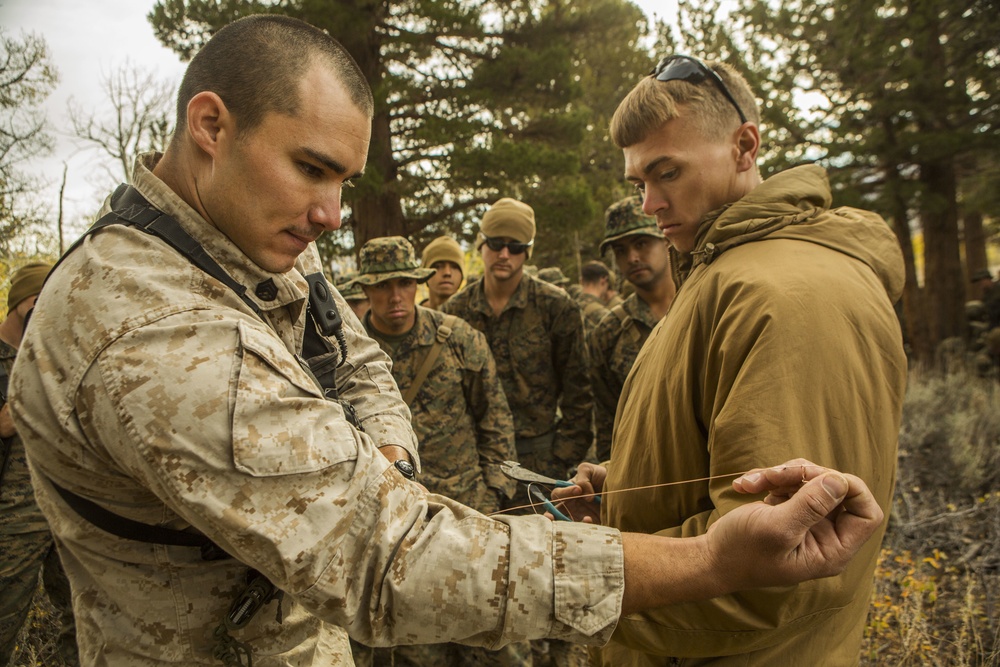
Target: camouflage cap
x,y
350,290
554,275
981,274
387,258
625,218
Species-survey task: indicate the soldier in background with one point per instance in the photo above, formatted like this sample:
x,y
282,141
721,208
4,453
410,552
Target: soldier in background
x,y
553,275
536,335
353,295
447,376
26,546
445,256
595,283
535,331
642,256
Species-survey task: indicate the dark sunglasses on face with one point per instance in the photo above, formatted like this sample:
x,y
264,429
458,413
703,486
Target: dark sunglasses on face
x,y
692,70
513,247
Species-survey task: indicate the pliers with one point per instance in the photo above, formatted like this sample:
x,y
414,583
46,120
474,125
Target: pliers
x,y
515,471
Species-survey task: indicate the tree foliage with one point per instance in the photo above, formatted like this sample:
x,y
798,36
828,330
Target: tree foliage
x,y
26,79
138,119
475,100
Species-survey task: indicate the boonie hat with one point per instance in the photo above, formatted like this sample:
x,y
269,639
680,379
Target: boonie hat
x,y
387,258
554,275
348,289
626,218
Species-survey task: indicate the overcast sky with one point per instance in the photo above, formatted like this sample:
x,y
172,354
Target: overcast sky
x,y
87,40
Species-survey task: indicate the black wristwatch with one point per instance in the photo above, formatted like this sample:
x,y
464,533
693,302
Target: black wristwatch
x,y
405,469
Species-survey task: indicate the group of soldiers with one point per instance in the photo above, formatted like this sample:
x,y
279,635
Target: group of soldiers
x,y
517,366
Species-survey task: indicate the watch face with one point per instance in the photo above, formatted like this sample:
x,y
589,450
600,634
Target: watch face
x,y
405,468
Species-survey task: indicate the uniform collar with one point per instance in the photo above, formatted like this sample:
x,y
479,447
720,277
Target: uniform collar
x,y
268,290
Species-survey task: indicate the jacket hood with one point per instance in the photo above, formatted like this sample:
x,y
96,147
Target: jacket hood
x,y
795,204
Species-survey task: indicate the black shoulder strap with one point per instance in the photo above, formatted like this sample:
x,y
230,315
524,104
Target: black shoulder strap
x,y
128,529
129,207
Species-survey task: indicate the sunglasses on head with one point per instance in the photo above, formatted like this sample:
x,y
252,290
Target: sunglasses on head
x,y
692,70
513,247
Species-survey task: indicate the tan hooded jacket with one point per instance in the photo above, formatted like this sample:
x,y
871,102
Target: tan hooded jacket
x,y
781,343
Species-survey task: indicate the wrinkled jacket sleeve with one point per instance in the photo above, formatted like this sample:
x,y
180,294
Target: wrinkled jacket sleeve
x,y
494,423
576,402
274,474
782,381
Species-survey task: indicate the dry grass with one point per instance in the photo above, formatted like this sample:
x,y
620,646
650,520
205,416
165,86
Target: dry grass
x,y
937,584
937,591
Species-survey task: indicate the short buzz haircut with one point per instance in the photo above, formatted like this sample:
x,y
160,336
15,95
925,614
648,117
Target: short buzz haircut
x,y
255,65
651,103
593,271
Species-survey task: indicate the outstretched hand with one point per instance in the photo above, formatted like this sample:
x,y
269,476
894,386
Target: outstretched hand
x,y
811,524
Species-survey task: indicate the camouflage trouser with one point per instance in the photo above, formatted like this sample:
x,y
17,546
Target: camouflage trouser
x,y
21,558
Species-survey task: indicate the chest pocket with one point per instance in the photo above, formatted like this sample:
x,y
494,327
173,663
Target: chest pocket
x,y
282,424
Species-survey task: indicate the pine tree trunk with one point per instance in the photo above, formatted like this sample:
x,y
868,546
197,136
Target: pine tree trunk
x,y
975,249
943,274
916,332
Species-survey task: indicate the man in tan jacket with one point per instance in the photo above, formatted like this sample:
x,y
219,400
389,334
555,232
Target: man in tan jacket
x,y
781,341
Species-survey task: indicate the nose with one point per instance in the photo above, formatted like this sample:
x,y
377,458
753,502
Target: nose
x,y
326,211
652,203
632,254
504,252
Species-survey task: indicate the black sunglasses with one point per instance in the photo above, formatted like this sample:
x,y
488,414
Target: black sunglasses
x,y
692,70
514,247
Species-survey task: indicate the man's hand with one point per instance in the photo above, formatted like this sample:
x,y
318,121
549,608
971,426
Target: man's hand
x,y
811,524
578,502
6,422
395,453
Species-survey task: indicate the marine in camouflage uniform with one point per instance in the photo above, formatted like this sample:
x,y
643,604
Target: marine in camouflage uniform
x,y
153,389
615,343
26,546
460,414
538,344
593,276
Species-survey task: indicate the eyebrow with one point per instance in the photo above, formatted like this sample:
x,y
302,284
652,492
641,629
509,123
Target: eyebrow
x,y
330,163
651,166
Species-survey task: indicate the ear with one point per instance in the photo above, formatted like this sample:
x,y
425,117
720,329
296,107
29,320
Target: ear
x,y
209,122
747,147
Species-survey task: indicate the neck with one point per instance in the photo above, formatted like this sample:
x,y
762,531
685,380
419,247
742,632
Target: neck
x,y
498,292
384,328
434,302
11,330
658,296
180,176
594,290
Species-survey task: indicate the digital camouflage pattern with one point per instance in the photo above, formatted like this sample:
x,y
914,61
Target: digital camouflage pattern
x,y
26,549
460,414
614,344
537,342
626,218
386,258
593,311
553,275
158,394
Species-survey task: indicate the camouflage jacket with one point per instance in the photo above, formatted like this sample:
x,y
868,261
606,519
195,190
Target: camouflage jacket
x,y
613,346
593,310
151,389
541,357
18,512
460,414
